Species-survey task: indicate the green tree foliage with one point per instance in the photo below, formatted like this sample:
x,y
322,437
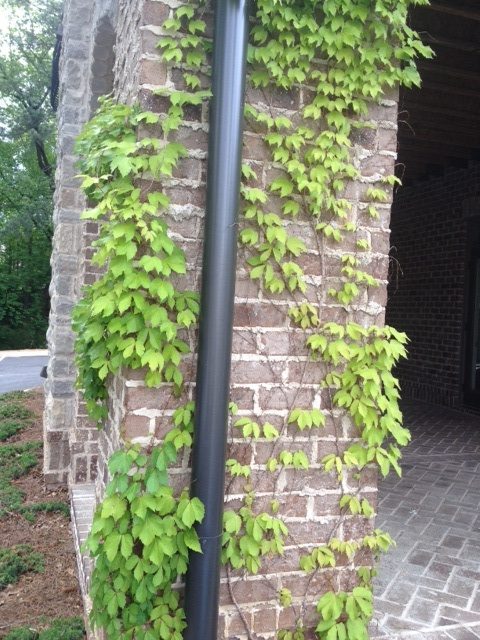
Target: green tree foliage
x,y
27,139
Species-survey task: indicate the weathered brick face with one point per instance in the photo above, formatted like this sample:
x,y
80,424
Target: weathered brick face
x,y
271,373
428,275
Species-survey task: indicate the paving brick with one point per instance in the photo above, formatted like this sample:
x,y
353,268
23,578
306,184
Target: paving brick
x,y
434,572
422,558
422,610
401,592
442,597
439,571
461,587
398,624
458,615
463,634
476,603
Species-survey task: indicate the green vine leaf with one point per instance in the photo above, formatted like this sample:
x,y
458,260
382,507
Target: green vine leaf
x,y
141,539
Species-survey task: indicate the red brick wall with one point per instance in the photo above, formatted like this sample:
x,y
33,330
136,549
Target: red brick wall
x,y
427,282
271,373
270,370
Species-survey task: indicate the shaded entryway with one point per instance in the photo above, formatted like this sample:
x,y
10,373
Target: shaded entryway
x,y
429,585
434,283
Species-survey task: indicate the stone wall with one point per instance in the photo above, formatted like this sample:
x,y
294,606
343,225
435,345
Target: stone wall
x,y
73,111
427,282
128,48
270,369
86,72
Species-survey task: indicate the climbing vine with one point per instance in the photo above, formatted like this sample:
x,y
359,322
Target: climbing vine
x,y
141,538
347,54
132,316
341,57
137,316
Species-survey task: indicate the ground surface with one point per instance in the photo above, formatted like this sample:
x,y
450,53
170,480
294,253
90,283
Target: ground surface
x,y
37,597
429,586
18,372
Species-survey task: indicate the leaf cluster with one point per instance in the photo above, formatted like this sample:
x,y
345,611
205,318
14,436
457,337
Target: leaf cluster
x,y
349,54
133,316
141,538
249,537
345,616
362,360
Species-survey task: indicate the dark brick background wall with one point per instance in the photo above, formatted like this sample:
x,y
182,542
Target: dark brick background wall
x,y
428,274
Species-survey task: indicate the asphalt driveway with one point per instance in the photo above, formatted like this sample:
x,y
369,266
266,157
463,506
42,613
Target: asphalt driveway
x,y
20,371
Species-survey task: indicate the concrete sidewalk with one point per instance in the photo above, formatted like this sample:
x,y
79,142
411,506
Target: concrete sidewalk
x,y
22,353
20,370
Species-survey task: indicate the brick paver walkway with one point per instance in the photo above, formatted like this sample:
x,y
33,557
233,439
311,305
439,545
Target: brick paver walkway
x,y
429,586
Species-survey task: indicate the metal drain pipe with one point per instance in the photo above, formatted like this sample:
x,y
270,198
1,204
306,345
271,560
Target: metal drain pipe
x,y
216,313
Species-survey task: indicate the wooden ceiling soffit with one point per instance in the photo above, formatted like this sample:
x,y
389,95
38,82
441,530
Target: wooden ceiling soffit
x,y
453,9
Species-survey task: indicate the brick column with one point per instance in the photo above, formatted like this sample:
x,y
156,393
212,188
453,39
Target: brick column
x,y
270,372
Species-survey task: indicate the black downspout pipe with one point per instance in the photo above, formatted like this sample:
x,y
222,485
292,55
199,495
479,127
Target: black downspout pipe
x,y
216,312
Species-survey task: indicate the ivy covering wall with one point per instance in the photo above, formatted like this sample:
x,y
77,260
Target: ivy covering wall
x,y
348,53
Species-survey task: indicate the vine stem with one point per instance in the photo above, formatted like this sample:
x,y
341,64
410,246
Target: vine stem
x,y
237,606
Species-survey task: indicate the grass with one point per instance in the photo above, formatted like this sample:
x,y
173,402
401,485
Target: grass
x,y
14,416
18,459
12,396
60,629
29,512
9,428
14,410
16,561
